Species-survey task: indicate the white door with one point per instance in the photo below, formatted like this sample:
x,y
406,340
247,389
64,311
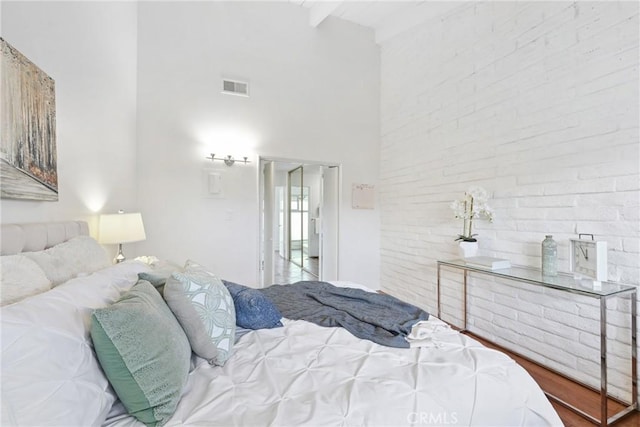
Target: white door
x,y
268,213
280,222
329,223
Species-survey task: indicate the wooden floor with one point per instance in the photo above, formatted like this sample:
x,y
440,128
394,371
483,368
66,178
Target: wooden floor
x,y
575,394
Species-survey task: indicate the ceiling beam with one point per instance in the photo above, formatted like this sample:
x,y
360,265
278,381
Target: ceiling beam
x,y
321,11
415,14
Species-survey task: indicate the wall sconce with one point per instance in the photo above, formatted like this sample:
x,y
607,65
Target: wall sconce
x,y
229,160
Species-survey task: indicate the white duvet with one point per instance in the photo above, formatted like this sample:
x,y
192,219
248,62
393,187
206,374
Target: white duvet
x,y
50,374
299,374
307,375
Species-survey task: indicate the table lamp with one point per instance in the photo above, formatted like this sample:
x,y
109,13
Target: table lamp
x,y
121,228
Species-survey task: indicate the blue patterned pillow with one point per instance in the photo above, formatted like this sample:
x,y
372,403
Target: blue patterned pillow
x,y
254,310
205,310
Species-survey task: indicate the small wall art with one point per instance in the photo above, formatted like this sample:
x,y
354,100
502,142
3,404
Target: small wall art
x,y
363,196
28,158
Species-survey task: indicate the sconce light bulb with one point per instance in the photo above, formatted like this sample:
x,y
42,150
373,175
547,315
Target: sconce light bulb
x,y
228,160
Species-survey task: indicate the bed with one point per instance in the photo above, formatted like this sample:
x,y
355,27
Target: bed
x,y
299,373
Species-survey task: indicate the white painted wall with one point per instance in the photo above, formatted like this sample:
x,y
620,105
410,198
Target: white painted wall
x,y
89,49
538,103
314,96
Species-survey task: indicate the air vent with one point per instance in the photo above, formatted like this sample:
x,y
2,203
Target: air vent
x,y
233,87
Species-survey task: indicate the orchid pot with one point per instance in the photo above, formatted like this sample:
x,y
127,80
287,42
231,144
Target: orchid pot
x,y
467,249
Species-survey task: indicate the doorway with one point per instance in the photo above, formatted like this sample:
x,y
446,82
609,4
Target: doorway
x,y
299,221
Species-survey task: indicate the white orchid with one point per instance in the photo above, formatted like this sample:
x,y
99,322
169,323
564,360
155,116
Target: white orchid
x,y
472,206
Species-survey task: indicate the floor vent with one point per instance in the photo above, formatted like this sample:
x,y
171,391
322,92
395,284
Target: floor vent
x,y
233,87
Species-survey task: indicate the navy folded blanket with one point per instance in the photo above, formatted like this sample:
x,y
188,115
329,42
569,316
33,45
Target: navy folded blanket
x,y
380,318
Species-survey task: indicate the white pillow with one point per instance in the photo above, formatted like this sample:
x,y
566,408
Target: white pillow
x,y
50,374
65,261
20,277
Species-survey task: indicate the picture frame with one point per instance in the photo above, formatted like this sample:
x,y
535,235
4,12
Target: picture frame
x,y
28,152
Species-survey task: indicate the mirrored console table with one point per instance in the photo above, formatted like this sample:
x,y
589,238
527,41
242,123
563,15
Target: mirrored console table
x,y
566,283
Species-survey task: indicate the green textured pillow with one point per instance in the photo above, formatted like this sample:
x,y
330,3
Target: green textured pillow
x,y
156,278
159,274
205,310
144,353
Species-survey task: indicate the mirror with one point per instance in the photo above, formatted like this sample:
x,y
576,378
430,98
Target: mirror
x,y
298,218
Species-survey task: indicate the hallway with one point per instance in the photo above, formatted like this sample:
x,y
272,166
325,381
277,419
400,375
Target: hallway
x,y
285,272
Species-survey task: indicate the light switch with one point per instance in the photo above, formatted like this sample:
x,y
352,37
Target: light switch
x,y
215,183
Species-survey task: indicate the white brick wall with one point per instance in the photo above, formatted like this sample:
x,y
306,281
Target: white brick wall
x,y
538,103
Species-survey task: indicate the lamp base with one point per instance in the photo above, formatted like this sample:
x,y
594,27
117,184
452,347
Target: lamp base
x,y
120,257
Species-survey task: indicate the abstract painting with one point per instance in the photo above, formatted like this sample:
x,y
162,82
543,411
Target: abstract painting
x,y
28,159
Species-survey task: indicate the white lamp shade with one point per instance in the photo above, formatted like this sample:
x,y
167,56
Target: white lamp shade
x,y
121,228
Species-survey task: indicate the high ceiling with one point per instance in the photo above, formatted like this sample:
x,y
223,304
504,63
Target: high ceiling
x,y
387,18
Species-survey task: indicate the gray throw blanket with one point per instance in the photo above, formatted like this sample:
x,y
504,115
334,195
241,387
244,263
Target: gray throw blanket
x,y
380,318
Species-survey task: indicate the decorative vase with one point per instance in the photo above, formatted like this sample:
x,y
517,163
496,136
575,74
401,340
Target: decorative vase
x,y
468,249
549,256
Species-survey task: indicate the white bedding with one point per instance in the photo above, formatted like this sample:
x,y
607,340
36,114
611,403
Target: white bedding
x,y
303,374
299,374
50,375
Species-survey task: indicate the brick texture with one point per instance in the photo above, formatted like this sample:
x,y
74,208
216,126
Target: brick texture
x,y
538,103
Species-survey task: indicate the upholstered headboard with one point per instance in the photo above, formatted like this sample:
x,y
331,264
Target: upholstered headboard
x,y
16,238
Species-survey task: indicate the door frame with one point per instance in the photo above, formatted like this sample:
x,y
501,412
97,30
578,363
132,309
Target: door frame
x,y
289,210
263,216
